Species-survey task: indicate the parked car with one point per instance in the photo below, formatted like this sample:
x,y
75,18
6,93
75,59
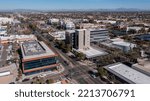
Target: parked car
x,y
94,73
42,75
27,79
12,83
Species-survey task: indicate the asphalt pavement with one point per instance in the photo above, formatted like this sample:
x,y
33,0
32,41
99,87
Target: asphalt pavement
x,y
74,71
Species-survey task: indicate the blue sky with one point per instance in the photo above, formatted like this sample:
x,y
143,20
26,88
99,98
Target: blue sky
x,y
73,4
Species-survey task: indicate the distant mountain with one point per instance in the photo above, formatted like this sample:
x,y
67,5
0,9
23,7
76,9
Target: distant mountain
x,y
32,10
129,9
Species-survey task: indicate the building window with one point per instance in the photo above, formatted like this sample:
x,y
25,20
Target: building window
x,y
39,63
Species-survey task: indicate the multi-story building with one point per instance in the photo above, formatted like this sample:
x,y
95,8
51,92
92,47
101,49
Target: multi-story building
x,y
69,25
60,35
37,57
81,39
16,38
69,37
53,21
81,43
124,46
3,30
98,35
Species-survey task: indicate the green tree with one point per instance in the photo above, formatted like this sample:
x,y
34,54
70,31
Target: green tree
x,y
62,45
33,26
68,48
102,72
80,56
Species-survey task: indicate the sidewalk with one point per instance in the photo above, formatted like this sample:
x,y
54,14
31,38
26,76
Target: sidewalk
x,y
51,73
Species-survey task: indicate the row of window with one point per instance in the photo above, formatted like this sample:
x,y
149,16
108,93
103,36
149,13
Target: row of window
x,y
39,63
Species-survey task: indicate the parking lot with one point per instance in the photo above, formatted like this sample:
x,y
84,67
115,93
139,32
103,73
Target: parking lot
x,y
3,55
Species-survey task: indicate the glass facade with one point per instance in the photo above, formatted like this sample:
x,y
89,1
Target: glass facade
x,y
39,63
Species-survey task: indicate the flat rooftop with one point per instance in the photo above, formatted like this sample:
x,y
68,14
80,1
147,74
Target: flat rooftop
x,y
145,66
122,43
8,74
128,74
35,49
91,52
98,29
70,31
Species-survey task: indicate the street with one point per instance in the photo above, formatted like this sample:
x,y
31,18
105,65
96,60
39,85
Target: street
x,y
75,71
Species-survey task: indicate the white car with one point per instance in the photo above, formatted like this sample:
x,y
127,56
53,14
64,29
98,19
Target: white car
x,y
42,75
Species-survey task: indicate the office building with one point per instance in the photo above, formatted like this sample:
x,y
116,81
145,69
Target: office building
x,y
69,37
37,57
128,74
81,43
81,39
17,38
124,46
106,21
69,25
134,28
98,35
60,35
3,30
143,37
54,21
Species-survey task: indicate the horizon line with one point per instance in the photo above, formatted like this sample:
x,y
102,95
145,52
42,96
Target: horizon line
x,y
82,9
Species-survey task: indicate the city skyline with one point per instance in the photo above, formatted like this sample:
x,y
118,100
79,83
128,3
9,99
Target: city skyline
x,y
73,4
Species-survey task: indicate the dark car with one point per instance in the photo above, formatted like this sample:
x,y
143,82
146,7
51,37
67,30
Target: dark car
x,y
94,73
12,83
27,79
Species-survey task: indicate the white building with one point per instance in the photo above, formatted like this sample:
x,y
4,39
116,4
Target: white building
x,y
134,28
60,35
98,35
3,30
69,25
81,43
4,20
53,21
128,74
92,26
106,21
125,46
17,38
